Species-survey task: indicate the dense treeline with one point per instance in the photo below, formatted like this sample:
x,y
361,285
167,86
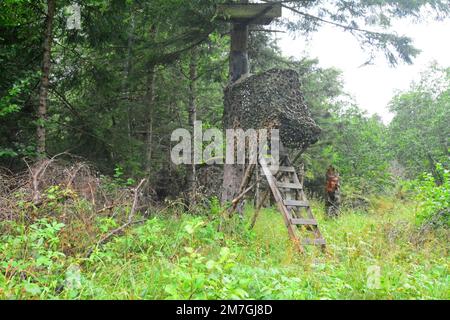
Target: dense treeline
x,y
135,71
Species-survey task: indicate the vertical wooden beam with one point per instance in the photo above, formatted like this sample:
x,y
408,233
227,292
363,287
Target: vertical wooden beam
x,y
239,49
232,174
239,55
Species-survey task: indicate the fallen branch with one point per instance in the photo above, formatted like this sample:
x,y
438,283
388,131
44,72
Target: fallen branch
x,y
106,208
130,221
236,200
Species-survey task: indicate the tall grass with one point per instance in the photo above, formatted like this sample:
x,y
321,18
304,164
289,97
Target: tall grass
x,y
378,254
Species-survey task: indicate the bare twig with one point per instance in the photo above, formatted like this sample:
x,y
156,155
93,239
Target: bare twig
x,y
258,209
38,173
130,221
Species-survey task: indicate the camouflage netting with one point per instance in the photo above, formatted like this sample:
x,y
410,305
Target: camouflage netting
x,y
272,100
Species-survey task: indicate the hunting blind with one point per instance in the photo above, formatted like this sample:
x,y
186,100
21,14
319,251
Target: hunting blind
x,y
272,99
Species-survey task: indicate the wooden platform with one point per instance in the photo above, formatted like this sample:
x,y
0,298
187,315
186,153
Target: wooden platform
x,y
252,13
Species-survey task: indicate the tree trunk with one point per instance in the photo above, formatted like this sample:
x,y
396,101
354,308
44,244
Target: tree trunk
x,y
125,81
192,112
43,91
150,99
232,174
238,54
438,179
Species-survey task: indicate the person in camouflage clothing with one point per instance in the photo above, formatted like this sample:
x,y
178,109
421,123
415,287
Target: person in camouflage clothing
x,y
332,192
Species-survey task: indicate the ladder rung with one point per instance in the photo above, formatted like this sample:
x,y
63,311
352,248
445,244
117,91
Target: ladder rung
x,y
313,241
287,206
296,203
284,169
289,185
312,222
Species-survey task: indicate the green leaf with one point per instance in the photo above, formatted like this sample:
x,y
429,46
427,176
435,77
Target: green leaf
x,y
32,288
189,250
189,229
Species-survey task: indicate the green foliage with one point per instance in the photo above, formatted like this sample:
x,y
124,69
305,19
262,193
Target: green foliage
x,y
434,198
419,133
368,21
32,265
118,177
6,105
214,207
188,259
185,257
106,224
102,107
7,153
11,104
357,146
195,277
362,152
105,106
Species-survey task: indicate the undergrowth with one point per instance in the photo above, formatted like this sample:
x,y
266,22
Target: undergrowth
x,y
374,254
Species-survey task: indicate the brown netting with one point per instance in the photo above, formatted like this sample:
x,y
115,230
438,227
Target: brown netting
x,y
272,99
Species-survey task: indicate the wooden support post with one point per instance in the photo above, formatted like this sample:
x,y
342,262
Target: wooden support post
x,y
238,54
241,14
258,209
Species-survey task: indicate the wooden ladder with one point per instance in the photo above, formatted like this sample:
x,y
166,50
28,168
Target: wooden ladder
x,y
292,202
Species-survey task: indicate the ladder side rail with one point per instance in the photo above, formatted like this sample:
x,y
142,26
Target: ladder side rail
x,y
279,200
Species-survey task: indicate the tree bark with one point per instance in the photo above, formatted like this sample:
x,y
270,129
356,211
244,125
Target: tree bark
x,y
126,78
192,112
238,52
238,67
150,99
43,91
150,102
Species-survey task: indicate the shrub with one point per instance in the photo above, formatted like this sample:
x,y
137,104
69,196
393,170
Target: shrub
x,y
434,198
32,265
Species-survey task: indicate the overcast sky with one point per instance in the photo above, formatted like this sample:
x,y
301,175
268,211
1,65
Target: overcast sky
x,y
373,86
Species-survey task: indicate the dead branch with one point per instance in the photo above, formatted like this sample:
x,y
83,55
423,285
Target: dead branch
x,y
258,209
130,221
37,174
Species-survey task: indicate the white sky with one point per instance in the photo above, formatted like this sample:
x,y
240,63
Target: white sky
x,y
373,86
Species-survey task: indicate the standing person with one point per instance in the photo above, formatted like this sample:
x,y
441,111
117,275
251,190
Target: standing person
x,y
332,192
